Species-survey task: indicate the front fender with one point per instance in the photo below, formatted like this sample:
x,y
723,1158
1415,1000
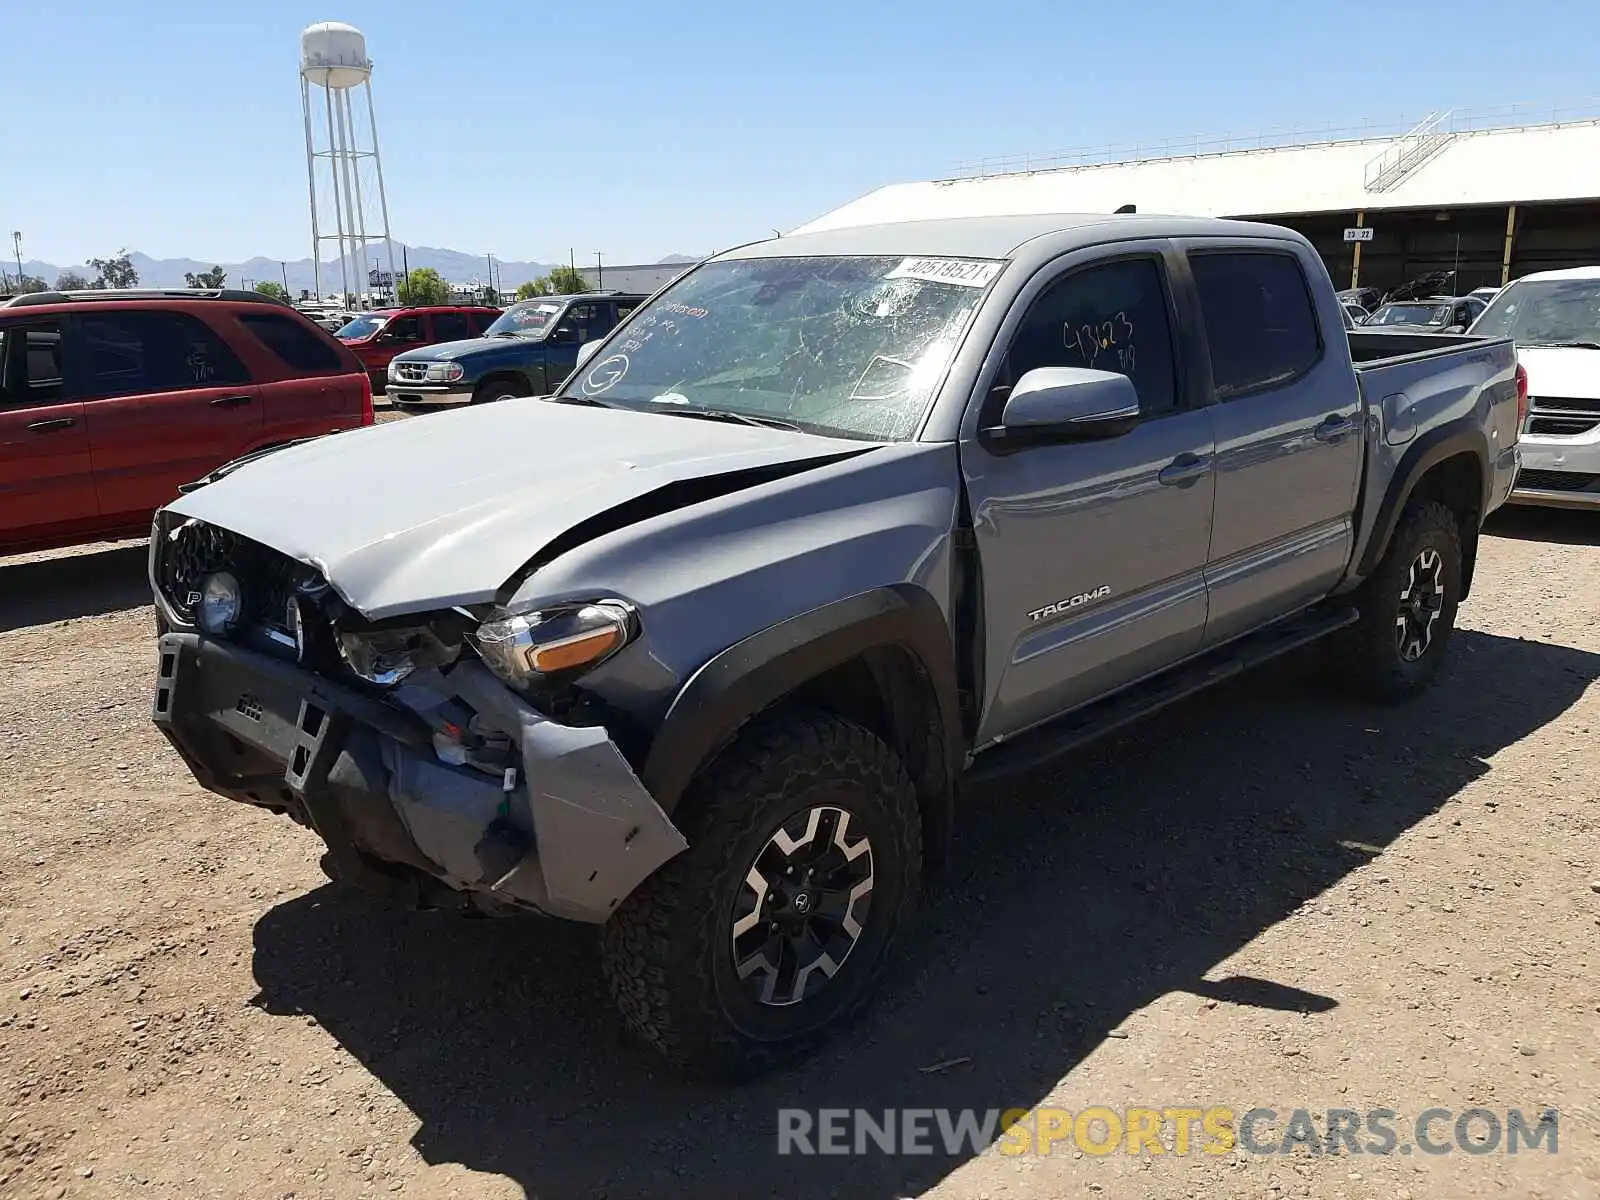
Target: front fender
x,y
757,672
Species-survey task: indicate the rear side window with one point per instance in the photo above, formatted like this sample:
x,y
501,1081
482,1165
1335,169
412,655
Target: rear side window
x,y
451,327
1259,321
127,352
482,320
291,341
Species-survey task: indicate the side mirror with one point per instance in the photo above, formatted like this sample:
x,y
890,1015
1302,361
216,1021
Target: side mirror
x,y
586,351
563,335
1067,404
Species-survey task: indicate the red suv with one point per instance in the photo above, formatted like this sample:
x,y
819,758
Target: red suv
x,y
110,400
379,335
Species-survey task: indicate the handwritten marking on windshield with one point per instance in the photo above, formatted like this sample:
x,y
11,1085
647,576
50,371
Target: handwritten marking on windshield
x,y
605,375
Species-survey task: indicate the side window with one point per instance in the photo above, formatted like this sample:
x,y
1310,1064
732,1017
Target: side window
x,y
30,364
451,327
481,321
126,352
624,307
1258,317
403,329
1108,318
293,343
585,318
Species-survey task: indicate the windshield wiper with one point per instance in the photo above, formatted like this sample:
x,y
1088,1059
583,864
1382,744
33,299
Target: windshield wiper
x,y
1561,345
731,417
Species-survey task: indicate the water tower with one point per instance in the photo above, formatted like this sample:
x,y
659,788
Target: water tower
x,y
343,173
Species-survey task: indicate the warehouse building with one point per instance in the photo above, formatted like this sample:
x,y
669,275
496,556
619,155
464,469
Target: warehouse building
x,y
1491,194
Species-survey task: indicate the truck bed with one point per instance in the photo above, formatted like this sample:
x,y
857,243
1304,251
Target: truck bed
x,y
1418,381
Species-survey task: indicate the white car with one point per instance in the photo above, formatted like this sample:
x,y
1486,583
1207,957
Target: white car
x,y
1554,317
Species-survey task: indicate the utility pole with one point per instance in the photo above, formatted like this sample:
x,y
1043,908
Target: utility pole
x,y
599,273
284,267
16,244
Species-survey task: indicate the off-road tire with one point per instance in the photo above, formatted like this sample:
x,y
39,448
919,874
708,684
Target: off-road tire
x,y
1367,656
498,389
667,952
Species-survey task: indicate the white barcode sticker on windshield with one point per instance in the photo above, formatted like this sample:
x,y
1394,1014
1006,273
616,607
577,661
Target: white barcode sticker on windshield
x,y
965,272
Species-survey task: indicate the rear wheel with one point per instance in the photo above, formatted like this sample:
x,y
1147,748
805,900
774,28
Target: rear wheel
x,y
803,867
496,389
1408,608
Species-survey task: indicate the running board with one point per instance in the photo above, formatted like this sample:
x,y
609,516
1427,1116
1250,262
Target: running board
x,y
1046,742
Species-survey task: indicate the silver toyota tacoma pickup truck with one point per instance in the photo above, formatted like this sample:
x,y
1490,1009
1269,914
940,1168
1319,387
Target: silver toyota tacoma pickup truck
x,y
701,648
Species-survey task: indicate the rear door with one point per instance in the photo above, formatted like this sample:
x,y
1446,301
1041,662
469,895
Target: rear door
x,y
311,389
166,401
1092,553
1287,412
46,476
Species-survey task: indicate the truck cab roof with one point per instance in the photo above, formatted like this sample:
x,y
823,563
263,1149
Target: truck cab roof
x,y
1033,238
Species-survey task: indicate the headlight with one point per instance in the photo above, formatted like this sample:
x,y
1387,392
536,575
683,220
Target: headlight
x,y
445,372
386,656
220,603
394,368
527,647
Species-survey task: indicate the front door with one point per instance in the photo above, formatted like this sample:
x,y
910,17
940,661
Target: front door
x,y
1289,441
1092,553
166,401
46,481
582,322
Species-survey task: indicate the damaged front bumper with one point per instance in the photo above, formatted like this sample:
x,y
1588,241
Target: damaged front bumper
x,y
570,833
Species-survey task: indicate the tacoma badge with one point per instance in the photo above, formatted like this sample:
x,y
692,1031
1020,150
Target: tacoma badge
x,y
1061,606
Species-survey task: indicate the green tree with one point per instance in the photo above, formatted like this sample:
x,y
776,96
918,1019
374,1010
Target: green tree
x,y
276,290
71,281
214,278
565,281
536,287
115,272
19,284
423,286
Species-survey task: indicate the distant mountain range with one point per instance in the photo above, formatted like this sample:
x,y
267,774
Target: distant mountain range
x,y
454,265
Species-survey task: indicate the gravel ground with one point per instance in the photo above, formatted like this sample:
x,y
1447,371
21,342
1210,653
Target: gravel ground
x,y
1263,898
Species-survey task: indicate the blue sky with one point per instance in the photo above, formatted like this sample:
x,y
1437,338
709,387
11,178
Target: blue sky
x,y
173,126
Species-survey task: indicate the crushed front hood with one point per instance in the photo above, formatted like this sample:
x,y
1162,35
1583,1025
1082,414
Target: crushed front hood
x,y
444,509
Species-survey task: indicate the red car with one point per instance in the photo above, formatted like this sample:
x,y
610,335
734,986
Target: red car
x,y
110,400
379,335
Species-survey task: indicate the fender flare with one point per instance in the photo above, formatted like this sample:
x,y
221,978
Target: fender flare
x,y
757,672
1462,436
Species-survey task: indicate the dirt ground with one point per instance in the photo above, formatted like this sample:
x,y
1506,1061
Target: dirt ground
x,y
1265,898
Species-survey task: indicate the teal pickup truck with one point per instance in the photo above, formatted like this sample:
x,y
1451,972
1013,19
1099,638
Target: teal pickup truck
x,y
528,350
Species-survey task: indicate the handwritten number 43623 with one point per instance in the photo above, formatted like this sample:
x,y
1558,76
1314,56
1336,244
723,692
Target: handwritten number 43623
x,y
1103,344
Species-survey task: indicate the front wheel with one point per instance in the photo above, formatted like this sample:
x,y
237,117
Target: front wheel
x,y
1408,608
772,928
499,389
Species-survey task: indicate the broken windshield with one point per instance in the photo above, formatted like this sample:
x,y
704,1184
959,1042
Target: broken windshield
x,y
845,346
1545,312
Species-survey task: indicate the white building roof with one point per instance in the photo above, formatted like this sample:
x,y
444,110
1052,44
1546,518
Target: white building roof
x,y
1444,167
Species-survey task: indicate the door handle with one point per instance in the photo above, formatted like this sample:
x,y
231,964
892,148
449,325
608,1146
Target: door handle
x,y
1184,470
230,401
1333,429
56,423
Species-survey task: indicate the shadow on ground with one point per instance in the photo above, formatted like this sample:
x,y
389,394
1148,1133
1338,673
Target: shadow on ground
x,y
1079,896
1560,526
38,591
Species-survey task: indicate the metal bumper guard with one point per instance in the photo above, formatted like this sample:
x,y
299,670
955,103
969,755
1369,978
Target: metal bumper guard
x,y
575,834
